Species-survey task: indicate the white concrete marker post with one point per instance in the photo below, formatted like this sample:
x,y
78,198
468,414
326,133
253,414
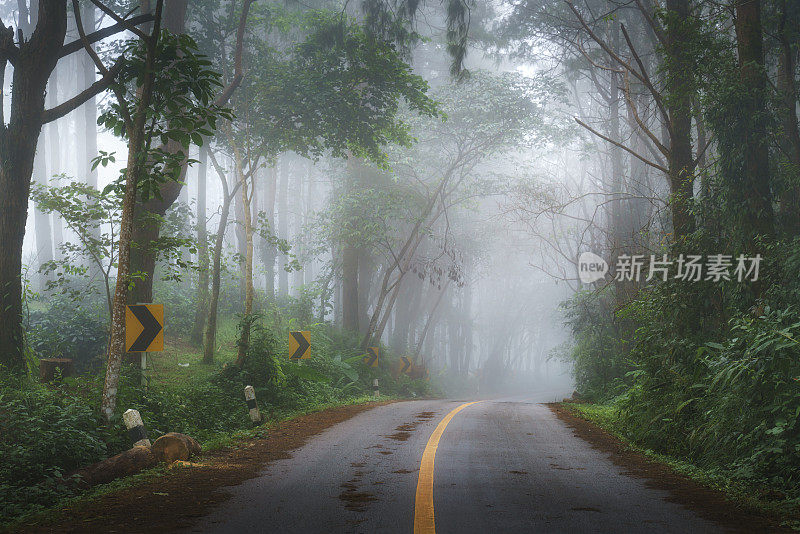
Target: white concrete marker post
x,y
133,422
250,397
375,392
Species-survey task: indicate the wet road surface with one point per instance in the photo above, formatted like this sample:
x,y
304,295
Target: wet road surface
x,y
502,465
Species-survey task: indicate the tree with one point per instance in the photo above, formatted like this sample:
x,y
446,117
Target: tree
x,y
33,60
163,93
338,91
486,115
85,210
757,194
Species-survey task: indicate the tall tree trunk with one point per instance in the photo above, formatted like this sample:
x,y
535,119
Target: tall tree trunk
x,y
246,197
241,237
36,60
269,253
54,165
210,344
787,112
216,262
202,247
44,233
366,270
679,107
308,267
283,224
298,200
350,288
757,194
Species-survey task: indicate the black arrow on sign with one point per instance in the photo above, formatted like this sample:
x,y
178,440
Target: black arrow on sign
x,y
151,328
302,345
406,364
370,358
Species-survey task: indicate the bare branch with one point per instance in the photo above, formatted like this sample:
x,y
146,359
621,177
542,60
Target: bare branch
x,y
125,23
81,98
623,147
101,34
646,81
237,66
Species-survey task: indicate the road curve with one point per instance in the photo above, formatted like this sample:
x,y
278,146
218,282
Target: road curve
x,y
503,465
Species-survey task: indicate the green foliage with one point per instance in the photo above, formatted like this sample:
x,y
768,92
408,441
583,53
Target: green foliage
x,y
68,330
181,112
598,357
712,375
44,435
339,90
94,218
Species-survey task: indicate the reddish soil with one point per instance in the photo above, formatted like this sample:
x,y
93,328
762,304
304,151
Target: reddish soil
x,y
188,490
709,503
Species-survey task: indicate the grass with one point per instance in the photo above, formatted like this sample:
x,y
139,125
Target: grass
x,y
168,368
746,496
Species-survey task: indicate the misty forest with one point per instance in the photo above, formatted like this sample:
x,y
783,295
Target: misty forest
x,y
424,180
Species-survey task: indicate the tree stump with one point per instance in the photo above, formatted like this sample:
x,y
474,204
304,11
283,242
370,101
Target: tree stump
x,y
48,366
175,446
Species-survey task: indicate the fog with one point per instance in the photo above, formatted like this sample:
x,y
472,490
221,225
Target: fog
x,y
473,287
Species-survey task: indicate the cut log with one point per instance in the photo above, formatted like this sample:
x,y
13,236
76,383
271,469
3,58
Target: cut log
x,y
127,463
175,446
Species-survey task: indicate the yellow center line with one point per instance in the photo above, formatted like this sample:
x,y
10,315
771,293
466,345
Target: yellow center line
x,y
423,503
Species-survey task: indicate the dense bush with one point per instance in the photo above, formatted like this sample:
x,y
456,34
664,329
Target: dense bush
x,y
44,435
713,372
66,329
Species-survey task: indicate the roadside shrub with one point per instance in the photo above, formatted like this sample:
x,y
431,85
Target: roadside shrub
x,y
44,435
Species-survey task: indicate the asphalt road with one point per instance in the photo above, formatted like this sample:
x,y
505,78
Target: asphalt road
x,y
503,465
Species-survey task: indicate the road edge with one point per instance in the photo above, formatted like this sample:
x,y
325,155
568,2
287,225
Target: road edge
x,y
710,503
156,508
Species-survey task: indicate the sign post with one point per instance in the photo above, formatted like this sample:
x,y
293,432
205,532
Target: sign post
x,y
144,331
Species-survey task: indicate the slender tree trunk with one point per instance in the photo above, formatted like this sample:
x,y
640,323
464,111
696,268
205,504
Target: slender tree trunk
x,y
298,276
216,263
350,288
283,225
211,328
134,169
202,248
432,316
366,270
246,197
269,252
308,267
44,233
